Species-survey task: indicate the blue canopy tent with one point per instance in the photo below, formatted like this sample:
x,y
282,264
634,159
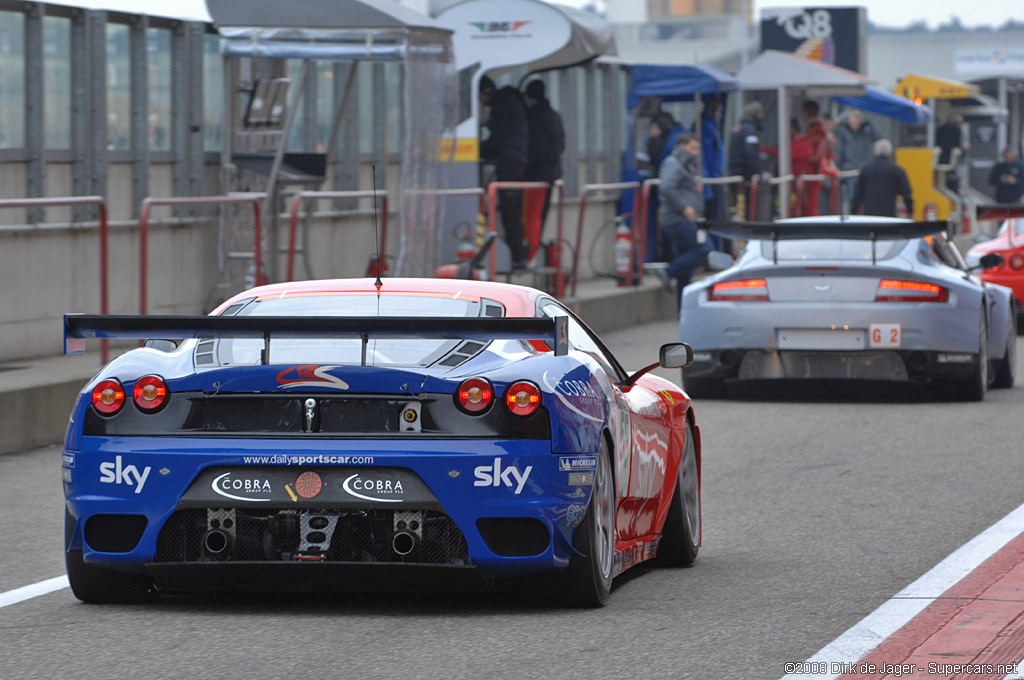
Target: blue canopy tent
x,y
888,104
668,83
673,83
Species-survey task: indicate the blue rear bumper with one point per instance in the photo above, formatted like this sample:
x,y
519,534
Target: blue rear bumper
x,y
149,476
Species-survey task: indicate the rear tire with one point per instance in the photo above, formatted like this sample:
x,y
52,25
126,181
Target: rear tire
x,y
680,537
105,586
590,574
974,388
1006,368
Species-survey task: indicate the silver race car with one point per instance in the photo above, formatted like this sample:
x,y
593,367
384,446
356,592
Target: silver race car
x,y
837,298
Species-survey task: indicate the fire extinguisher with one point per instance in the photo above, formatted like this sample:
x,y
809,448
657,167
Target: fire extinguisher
x,y
466,249
931,212
967,217
623,251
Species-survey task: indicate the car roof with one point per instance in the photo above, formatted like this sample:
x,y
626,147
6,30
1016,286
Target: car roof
x,y
518,300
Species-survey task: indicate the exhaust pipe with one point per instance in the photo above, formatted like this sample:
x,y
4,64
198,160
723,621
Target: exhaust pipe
x,y
217,543
404,543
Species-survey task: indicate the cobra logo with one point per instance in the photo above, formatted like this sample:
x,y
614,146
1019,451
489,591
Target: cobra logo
x,y
359,487
310,375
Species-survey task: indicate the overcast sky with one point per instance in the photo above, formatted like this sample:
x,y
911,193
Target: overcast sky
x,y
903,12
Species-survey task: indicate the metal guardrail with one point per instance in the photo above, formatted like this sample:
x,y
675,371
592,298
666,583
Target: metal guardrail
x,y
101,203
609,186
293,221
492,215
149,202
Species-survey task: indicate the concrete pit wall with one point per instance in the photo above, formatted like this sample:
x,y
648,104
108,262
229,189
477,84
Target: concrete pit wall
x,y
50,269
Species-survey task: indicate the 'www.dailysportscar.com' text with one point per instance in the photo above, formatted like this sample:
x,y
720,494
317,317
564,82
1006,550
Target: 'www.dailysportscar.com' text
x,y
314,459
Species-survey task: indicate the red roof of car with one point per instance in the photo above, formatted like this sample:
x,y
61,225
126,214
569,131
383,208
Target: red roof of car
x,y
518,300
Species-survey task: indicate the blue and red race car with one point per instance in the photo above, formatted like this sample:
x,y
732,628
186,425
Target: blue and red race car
x,y
346,434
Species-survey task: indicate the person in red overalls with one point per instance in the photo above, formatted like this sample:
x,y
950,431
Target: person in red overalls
x,y
811,153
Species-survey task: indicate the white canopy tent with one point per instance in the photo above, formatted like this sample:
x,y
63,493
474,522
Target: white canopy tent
x,y
789,75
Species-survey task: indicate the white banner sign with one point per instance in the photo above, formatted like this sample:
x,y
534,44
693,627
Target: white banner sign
x,y
993,62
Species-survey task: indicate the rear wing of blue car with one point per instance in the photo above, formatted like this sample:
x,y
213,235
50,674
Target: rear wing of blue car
x,y
78,327
874,231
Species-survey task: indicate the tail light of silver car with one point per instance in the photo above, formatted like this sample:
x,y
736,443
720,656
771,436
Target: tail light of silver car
x,y
745,290
891,290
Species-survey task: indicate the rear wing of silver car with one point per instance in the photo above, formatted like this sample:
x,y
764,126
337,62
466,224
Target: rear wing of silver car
x,y
999,211
874,231
78,327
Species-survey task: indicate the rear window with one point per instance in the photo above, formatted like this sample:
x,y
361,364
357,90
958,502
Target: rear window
x,y
832,249
379,352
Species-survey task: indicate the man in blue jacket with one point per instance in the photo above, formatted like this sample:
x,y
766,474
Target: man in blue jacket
x,y
1008,178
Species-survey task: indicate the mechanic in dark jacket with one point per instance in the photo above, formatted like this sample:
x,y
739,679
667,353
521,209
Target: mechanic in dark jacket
x,y
745,150
547,141
745,143
507,148
1008,178
880,182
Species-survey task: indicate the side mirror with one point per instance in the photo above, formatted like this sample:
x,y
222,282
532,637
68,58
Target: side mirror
x,y
675,355
672,355
162,345
988,262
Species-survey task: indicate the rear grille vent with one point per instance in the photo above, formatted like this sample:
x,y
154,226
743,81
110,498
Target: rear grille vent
x,y
286,536
114,533
514,536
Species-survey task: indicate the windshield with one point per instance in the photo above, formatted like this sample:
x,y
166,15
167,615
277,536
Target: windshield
x,y
1016,224
832,249
379,352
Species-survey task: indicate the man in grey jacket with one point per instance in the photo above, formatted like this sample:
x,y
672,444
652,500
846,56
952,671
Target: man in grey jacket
x,y
856,139
682,203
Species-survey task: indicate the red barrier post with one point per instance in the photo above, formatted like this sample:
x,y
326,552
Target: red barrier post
x,y
556,255
833,196
797,199
63,201
150,201
645,211
586,189
755,181
492,219
293,221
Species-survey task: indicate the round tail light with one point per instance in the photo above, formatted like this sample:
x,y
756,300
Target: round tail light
x,y
475,395
522,398
150,393
108,397
1017,261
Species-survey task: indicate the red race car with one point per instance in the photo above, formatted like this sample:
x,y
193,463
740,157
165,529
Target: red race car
x,y
1008,242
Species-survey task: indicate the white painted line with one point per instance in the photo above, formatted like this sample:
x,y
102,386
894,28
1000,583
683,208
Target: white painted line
x,y
35,590
909,602
1019,675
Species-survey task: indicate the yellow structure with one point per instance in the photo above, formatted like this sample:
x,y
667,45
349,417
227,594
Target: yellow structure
x,y
918,87
918,165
